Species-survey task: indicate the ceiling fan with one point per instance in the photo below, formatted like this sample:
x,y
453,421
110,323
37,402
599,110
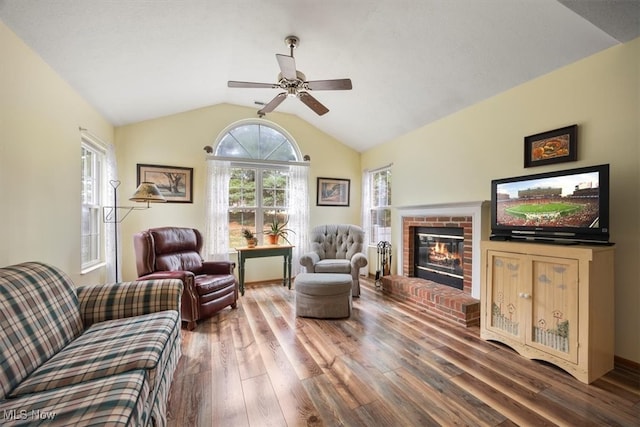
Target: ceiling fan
x,y
294,83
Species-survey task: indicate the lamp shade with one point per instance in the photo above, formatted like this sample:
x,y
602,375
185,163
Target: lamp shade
x,y
147,192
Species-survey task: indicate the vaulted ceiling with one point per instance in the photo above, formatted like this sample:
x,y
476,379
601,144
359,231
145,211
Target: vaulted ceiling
x,y
411,61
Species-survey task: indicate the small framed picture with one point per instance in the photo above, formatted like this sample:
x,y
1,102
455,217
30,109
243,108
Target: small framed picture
x,y
174,182
333,192
555,146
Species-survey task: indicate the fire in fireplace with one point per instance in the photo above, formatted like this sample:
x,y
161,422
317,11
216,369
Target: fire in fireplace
x,y
439,254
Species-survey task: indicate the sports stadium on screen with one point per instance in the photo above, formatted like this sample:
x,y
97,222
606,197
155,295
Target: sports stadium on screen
x,y
567,201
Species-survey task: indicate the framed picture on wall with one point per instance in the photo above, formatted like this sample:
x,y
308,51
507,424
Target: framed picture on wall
x,y
174,182
333,192
555,146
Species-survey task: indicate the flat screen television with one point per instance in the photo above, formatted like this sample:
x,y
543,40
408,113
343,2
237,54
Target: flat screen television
x,y
568,206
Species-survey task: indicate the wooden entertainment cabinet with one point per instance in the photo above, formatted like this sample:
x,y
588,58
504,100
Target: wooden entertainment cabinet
x,y
550,302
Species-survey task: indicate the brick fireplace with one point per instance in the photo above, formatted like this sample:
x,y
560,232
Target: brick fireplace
x,y
459,305
410,227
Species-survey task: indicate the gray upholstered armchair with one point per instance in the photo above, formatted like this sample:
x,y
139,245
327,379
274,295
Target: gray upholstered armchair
x,y
337,248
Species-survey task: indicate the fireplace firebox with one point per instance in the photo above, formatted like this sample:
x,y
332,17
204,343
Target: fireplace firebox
x,y
439,255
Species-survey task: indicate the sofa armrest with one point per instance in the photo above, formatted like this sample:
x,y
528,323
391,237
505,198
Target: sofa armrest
x,y
309,260
128,299
218,267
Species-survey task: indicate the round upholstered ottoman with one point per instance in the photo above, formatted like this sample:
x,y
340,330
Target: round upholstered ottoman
x,y
323,295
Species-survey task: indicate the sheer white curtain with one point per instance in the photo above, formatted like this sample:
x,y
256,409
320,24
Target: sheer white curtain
x,y
298,212
366,214
217,210
111,229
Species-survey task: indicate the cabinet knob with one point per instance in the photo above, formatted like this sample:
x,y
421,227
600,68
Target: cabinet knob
x,y
524,295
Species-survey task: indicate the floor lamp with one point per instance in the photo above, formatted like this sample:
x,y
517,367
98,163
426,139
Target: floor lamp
x,y
146,192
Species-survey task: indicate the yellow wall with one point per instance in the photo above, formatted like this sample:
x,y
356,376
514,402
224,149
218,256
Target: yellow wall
x,y
178,140
600,94
40,116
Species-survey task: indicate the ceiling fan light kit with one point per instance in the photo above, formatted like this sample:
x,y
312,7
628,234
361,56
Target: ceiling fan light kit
x,y
294,83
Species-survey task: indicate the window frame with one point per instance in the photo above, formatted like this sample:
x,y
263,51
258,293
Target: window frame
x,y
260,165
375,205
260,210
260,123
93,176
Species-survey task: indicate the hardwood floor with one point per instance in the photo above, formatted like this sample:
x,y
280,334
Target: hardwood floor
x,y
387,365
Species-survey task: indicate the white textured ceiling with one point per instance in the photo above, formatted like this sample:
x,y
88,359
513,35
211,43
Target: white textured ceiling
x,y
411,61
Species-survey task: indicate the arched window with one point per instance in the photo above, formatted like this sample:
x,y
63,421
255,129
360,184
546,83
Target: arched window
x,y
261,160
257,141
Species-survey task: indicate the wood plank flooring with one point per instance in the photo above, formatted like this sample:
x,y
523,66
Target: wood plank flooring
x,y
387,365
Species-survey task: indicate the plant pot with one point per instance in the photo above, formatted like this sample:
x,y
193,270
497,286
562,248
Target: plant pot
x,y
272,239
251,243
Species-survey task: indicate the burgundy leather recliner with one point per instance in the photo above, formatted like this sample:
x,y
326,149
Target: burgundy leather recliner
x,y
174,252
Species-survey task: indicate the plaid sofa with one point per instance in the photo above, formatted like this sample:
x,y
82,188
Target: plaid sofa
x,y
92,355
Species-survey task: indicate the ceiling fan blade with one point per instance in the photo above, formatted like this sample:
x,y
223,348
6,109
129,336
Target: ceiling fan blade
x,y
338,84
232,83
273,103
313,103
287,66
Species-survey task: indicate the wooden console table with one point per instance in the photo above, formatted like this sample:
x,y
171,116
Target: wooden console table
x,y
284,251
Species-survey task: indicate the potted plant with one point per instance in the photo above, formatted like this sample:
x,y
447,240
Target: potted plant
x,y
252,241
276,230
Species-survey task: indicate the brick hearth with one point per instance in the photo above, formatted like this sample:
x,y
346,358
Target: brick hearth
x,y
440,300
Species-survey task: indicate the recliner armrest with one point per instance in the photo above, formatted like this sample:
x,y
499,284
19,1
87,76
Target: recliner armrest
x,y
128,299
218,267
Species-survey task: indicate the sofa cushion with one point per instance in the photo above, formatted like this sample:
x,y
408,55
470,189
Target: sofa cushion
x,y
108,348
117,400
333,266
323,284
39,315
128,299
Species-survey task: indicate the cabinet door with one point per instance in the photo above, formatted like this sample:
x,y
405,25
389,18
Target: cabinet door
x,y
553,324
505,284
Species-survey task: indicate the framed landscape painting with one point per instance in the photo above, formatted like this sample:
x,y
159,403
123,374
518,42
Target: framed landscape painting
x,y
333,192
174,182
555,146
